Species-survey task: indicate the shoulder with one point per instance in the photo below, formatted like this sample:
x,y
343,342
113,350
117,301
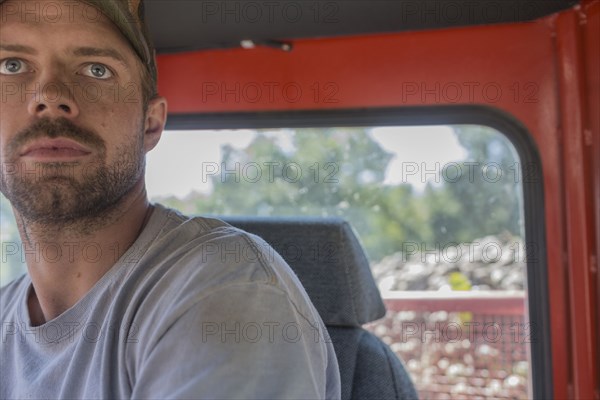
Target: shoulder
x,y
203,244
196,257
212,248
208,293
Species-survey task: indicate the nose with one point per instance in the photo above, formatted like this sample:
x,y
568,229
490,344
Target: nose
x,y
53,98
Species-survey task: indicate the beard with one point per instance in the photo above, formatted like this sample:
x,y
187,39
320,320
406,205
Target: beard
x,y
63,194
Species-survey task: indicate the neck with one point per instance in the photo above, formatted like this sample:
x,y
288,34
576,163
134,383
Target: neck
x,y
65,262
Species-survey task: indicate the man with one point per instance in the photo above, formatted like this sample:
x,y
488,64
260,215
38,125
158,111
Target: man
x,y
124,299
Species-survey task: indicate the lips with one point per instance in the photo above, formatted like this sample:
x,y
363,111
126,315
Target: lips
x,y
55,149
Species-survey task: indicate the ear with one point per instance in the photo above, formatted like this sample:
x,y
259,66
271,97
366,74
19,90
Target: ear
x,y
154,123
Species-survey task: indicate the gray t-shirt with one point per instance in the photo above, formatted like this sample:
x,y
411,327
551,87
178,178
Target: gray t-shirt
x,y
194,309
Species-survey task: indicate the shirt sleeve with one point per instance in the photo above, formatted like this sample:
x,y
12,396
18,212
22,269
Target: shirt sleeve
x,y
244,340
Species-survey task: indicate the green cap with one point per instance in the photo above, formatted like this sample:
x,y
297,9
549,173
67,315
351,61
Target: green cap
x,y
128,16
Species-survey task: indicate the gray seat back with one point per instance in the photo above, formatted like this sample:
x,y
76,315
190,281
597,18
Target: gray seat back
x,y
331,264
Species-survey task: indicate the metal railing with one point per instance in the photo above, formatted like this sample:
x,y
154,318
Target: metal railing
x,y
488,302
460,345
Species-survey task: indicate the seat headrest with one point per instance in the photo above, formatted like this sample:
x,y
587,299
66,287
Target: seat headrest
x,y
329,261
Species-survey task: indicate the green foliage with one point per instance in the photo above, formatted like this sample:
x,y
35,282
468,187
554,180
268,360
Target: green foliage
x,y
485,200
340,172
328,172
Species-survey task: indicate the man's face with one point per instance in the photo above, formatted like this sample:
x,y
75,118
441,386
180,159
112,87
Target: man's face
x,y
72,123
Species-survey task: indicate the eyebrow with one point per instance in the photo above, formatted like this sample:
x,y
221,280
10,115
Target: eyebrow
x,y
18,48
98,52
80,52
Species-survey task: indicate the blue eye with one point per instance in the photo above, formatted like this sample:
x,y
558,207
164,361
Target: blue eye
x,y
98,71
11,66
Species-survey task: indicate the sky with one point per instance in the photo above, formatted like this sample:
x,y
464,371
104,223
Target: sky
x,y
183,160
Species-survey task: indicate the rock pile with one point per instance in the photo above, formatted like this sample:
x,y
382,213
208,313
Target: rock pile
x,y
489,263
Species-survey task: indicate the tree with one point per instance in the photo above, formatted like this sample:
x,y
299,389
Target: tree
x,y
481,195
325,172
341,172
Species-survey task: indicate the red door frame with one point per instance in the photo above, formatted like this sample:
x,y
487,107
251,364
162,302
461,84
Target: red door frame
x,y
545,73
